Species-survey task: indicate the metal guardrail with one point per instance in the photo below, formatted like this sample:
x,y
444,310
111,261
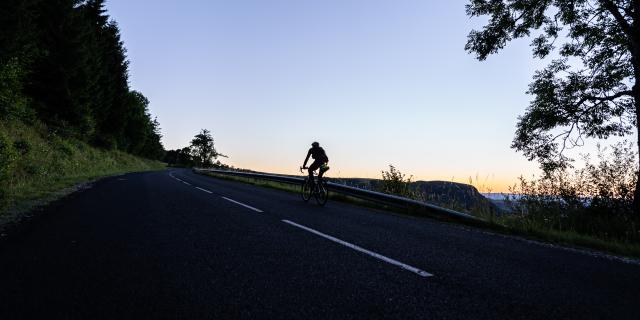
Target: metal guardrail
x,y
352,191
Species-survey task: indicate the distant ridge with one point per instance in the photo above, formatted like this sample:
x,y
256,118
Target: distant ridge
x,y
444,193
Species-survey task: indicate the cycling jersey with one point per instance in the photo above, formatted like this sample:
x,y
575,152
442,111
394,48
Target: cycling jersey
x,y
318,154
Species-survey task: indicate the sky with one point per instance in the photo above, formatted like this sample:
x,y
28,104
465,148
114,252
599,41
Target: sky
x,y
375,82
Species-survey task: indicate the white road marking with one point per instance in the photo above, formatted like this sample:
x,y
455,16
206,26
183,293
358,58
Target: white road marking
x,y
187,183
242,204
407,267
205,190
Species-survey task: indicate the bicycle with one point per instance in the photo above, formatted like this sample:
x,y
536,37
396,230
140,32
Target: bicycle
x,y
312,188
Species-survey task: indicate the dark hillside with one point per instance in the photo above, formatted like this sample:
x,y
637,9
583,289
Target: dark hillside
x,y
67,113
63,65
453,195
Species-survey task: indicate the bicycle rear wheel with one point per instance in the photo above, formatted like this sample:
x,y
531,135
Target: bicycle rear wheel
x,y
306,190
322,194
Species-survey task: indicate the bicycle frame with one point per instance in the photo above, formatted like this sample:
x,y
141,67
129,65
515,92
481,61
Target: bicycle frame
x,y
309,188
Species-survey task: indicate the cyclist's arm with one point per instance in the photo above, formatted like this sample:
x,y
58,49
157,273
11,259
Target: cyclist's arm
x,y
306,159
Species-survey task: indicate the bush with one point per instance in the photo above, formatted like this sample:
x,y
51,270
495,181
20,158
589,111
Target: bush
x,y
595,200
394,182
8,158
36,164
7,154
13,104
22,147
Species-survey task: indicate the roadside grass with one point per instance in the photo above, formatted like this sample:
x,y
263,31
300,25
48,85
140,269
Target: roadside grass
x,y
526,225
507,224
37,167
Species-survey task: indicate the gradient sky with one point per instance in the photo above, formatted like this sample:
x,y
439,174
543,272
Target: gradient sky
x,y
375,82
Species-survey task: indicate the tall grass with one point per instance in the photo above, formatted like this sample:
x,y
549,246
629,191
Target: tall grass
x,y
593,201
590,206
35,164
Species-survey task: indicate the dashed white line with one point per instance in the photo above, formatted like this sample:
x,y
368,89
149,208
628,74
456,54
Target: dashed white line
x,y
407,267
172,176
187,183
205,190
242,204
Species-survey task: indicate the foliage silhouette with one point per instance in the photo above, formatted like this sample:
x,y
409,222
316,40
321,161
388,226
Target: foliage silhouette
x,y
201,153
592,201
63,63
203,149
394,182
179,157
589,91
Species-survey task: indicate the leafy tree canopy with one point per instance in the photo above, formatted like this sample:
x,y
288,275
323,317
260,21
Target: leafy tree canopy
x,y
62,63
203,149
588,89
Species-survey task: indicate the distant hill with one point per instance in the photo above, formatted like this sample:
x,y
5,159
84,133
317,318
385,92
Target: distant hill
x,y
453,195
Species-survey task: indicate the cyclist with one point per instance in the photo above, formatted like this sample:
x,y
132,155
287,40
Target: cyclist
x,y
320,161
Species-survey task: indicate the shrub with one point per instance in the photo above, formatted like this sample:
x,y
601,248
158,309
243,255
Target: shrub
x,y
8,158
394,182
595,200
13,104
8,155
22,147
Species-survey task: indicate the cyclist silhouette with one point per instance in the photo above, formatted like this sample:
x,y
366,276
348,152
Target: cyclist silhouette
x,y
320,161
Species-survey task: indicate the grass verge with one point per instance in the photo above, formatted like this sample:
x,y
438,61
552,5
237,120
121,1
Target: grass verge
x,y
37,167
508,225
519,225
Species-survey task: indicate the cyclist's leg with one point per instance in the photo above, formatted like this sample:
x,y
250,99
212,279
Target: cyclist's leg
x,y
313,167
321,173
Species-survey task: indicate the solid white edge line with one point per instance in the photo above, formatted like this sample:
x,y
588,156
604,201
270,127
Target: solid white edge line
x,y
407,267
242,204
205,190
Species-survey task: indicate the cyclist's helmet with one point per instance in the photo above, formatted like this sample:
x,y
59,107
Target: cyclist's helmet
x,y
315,144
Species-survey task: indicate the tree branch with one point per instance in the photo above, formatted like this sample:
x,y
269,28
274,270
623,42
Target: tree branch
x,y
608,98
624,24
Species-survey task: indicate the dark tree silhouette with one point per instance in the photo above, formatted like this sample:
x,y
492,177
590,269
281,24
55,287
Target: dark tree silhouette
x,y
62,63
203,149
179,157
589,91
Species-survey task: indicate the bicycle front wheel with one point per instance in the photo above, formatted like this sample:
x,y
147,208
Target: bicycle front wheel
x,y
322,195
306,190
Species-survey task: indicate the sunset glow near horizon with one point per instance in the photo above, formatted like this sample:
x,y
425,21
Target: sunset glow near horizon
x,y
375,82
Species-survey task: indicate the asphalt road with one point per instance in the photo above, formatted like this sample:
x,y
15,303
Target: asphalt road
x,y
176,245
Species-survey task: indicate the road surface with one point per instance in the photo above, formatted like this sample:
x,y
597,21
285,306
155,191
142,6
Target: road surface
x,y
177,245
